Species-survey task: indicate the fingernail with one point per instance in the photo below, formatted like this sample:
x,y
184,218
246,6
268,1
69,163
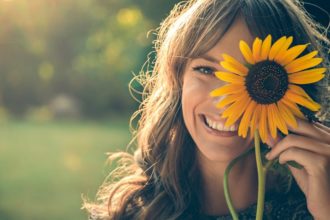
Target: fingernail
x,y
268,155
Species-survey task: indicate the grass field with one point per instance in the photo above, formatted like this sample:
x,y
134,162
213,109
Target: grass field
x,y
46,167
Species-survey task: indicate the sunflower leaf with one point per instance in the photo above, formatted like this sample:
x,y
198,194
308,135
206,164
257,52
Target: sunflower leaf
x,y
295,164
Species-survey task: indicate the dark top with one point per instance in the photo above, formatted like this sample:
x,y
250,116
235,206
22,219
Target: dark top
x,y
285,202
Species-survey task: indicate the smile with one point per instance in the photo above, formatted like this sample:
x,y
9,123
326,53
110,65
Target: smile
x,y
219,126
218,129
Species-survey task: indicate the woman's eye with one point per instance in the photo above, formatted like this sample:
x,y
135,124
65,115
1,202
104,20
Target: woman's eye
x,y
204,70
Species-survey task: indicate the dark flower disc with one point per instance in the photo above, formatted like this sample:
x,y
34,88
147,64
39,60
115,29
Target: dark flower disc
x,y
266,82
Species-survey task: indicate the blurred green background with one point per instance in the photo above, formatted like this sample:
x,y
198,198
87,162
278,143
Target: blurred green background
x,y
65,66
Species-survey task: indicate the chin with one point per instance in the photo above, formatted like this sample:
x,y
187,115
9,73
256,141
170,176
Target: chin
x,y
221,152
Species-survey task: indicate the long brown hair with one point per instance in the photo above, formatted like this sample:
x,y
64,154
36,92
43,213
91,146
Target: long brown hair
x,y
160,181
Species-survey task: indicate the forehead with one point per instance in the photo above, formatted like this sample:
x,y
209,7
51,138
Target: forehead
x,y
229,43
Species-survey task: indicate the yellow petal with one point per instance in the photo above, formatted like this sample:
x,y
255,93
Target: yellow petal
x,y
299,91
246,52
287,115
271,120
230,77
235,108
234,117
263,130
283,49
276,47
266,47
308,64
306,79
241,69
293,107
228,100
302,100
227,89
245,122
255,120
279,120
232,68
292,54
302,60
256,49
310,72
235,111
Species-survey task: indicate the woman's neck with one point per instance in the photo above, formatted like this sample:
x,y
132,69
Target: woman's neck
x,y
242,183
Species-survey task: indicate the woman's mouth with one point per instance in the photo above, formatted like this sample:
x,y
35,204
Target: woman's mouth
x,y
217,128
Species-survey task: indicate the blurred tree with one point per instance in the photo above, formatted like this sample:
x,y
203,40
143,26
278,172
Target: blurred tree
x,y
87,49
156,10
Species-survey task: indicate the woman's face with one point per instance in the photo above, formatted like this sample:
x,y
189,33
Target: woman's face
x,y
202,119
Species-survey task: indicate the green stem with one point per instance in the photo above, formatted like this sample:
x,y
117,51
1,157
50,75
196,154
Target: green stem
x,y
269,164
261,177
229,202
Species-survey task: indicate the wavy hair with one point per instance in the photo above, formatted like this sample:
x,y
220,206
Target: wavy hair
x,y
161,179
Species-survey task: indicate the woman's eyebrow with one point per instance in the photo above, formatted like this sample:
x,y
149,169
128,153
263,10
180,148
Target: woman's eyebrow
x,y
208,58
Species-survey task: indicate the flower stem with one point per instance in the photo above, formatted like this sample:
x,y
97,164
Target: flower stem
x,y
229,202
261,177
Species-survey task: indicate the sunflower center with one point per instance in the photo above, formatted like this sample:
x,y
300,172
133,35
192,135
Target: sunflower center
x,y
266,82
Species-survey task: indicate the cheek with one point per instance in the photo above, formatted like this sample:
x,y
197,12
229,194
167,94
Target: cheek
x,y
187,107
195,93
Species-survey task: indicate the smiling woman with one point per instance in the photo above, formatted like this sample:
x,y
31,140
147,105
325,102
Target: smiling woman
x,y
184,142
202,117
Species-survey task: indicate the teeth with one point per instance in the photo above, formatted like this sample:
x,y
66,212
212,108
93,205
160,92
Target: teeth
x,y
208,122
219,126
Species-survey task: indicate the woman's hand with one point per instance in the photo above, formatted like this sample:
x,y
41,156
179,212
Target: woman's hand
x,y
310,147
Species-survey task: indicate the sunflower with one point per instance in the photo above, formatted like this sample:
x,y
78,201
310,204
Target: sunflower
x,y
265,92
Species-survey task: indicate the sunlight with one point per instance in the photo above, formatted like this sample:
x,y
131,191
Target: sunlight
x,y
129,16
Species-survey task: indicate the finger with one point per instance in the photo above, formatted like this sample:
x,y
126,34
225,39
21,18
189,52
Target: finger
x,y
315,166
308,129
322,127
312,162
293,140
300,176
324,132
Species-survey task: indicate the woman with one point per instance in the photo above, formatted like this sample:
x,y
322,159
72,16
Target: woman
x,y
182,147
